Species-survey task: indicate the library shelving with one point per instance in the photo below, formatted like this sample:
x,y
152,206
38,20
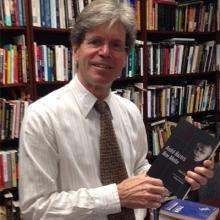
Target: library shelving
x,y
175,92
158,20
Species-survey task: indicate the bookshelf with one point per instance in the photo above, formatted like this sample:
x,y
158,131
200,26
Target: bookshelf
x,y
155,36
148,31
15,91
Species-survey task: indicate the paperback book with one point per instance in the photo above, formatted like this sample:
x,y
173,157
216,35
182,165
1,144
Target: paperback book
x,y
186,148
185,209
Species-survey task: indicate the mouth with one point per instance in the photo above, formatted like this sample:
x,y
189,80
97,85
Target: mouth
x,y
102,66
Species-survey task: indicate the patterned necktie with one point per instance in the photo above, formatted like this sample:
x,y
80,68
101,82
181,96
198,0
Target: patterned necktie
x,y
112,167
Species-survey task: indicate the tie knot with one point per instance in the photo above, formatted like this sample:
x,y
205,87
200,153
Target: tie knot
x,y
101,106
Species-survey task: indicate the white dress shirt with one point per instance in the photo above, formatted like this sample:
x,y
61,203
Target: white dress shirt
x,y
59,155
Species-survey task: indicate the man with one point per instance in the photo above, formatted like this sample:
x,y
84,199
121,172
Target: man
x,y
59,143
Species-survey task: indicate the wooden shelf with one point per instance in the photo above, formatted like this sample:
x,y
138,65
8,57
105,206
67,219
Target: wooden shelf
x,y
12,28
175,117
53,30
17,85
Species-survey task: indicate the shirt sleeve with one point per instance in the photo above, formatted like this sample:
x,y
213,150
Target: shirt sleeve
x,y
39,187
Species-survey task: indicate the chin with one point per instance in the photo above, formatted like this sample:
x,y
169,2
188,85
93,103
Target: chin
x,y
102,80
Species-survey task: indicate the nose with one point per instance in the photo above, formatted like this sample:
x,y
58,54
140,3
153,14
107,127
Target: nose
x,y
105,50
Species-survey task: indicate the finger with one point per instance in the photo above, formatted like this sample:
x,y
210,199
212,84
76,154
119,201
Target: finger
x,y
195,177
209,164
157,190
203,171
193,184
154,205
154,181
153,200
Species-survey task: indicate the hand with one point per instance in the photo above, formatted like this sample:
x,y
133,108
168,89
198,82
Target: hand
x,y
141,192
200,175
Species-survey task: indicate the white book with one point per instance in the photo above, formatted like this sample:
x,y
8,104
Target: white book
x,y
180,58
195,58
45,61
81,5
171,62
7,13
190,56
62,14
59,62
36,17
150,57
149,103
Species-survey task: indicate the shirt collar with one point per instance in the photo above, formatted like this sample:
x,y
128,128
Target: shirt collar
x,y
84,98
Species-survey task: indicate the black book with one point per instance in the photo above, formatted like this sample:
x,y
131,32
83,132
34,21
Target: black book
x,y
186,148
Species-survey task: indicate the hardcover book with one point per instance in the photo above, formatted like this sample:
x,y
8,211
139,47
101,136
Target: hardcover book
x,y
185,209
186,148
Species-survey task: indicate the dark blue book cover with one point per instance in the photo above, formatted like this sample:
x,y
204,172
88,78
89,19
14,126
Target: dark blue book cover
x,y
42,13
47,14
185,209
186,148
20,13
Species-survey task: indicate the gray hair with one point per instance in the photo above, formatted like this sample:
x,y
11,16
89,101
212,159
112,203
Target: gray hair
x,y
105,11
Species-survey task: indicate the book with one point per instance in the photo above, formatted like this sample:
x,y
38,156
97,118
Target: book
x,y
186,148
185,209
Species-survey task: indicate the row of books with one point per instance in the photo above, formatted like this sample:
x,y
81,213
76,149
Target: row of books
x,y
133,93
182,55
8,169
161,130
53,63
13,64
62,13
11,116
12,13
169,100
134,66
187,16
56,63
53,13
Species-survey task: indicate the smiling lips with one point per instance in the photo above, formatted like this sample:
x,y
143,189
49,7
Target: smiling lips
x,y
103,66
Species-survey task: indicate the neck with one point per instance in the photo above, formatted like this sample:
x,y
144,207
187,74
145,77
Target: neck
x,y
99,91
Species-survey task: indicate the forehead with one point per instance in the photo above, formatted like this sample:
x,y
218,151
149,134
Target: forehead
x,y
116,31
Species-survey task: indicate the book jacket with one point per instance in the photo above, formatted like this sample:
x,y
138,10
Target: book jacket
x,y
186,148
184,209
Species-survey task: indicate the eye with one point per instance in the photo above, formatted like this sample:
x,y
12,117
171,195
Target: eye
x,y
95,42
116,45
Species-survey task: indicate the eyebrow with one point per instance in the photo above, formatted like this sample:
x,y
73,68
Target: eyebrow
x,y
102,38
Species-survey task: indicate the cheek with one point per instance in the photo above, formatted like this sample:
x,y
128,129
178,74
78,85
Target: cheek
x,y
120,62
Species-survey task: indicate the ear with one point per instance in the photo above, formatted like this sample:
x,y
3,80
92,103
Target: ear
x,y
75,52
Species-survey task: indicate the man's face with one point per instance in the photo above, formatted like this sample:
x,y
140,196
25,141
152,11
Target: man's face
x,y
101,56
